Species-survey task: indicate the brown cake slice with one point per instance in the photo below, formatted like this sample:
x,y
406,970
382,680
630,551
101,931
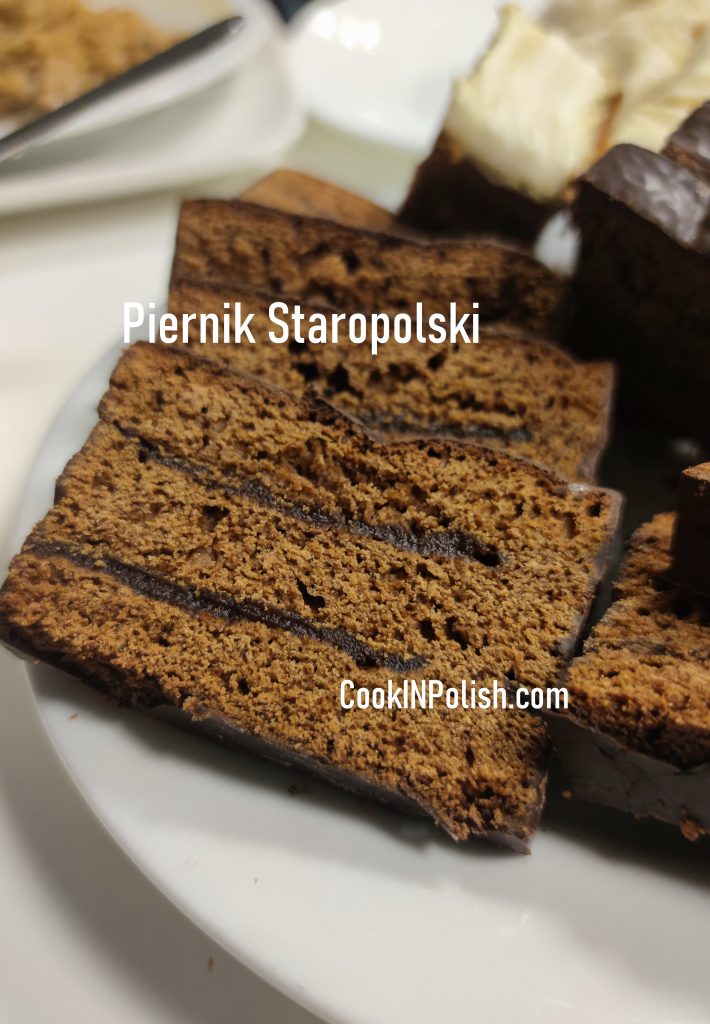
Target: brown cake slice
x,y
513,390
236,553
637,733
294,192
244,246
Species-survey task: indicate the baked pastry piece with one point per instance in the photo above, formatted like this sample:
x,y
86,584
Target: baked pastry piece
x,y
246,246
641,293
620,71
637,733
691,540
507,150
513,390
235,553
299,193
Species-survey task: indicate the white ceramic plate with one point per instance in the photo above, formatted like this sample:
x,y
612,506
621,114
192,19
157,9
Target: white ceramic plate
x,y
246,117
364,916
383,68
200,72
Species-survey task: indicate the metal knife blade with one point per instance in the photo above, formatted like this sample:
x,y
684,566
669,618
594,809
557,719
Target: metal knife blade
x,y
17,142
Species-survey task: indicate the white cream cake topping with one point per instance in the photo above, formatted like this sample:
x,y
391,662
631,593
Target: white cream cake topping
x,y
533,114
653,119
584,17
647,45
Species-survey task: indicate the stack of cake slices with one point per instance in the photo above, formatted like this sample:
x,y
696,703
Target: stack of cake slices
x,y
248,526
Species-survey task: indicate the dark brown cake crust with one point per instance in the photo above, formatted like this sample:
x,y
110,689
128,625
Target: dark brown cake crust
x,y
450,195
601,770
219,729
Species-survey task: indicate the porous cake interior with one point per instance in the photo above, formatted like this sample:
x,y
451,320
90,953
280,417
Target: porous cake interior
x,y
512,390
645,673
233,551
346,268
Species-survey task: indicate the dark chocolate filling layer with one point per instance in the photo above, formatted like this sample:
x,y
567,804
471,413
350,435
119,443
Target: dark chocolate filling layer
x,y
444,430
194,599
428,543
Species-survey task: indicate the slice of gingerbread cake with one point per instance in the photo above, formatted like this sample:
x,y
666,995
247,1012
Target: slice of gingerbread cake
x,y
637,732
513,390
246,246
234,553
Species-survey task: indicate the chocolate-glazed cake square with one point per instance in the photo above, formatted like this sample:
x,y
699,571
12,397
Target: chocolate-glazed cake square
x,y
640,294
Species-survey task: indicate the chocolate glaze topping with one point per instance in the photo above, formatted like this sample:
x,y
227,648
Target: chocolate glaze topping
x,y
657,189
690,144
600,769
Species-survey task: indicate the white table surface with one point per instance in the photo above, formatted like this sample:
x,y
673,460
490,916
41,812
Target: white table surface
x,y
83,936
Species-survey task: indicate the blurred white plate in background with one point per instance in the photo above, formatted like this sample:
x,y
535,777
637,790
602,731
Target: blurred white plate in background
x,y
383,68
246,118
181,82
